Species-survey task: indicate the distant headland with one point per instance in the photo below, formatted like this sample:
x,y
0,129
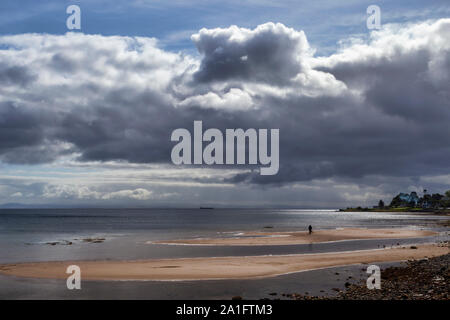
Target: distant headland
x,y
411,202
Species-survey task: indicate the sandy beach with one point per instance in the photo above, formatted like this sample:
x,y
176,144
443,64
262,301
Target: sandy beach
x,y
303,237
220,267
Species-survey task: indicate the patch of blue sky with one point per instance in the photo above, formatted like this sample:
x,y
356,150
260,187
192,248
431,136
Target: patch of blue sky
x,y
41,171
325,22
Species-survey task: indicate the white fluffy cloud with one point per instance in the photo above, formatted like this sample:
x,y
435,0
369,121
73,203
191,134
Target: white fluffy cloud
x,y
269,53
85,193
234,99
137,194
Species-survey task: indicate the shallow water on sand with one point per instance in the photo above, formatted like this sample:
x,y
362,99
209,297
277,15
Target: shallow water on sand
x,y
315,282
25,236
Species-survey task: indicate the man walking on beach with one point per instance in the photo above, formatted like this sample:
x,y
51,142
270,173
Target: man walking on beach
x,y
310,229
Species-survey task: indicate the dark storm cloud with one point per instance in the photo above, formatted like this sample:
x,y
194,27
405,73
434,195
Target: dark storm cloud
x,y
270,53
23,136
18,127
131,127
382,110
400,86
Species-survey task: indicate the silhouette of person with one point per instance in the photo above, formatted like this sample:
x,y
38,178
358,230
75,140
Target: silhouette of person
x,y
310,229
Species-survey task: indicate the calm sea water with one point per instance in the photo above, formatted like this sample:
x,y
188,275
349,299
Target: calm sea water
x,y
25,234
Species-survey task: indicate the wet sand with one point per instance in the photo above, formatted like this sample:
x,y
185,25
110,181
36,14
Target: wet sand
x,y
303,237
217,268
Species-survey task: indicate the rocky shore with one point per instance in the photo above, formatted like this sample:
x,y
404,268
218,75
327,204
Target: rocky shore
x,y
425,279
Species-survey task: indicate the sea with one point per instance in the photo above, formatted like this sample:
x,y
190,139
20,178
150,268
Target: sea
x,y
128,234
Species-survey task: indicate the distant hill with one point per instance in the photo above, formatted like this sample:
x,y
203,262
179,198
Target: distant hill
x,y
15,205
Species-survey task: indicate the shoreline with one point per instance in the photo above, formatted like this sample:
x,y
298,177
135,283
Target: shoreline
x,y
398,282
194,269
301,237
411,210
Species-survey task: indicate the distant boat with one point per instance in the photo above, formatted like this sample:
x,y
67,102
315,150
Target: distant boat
x,y
206,208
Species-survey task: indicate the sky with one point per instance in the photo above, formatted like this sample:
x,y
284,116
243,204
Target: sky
x,y
86,115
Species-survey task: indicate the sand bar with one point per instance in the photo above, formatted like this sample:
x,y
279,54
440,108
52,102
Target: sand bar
x,y
303,237
217,268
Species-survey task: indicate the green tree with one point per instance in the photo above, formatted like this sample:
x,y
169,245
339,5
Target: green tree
x,y
446,201
396,202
